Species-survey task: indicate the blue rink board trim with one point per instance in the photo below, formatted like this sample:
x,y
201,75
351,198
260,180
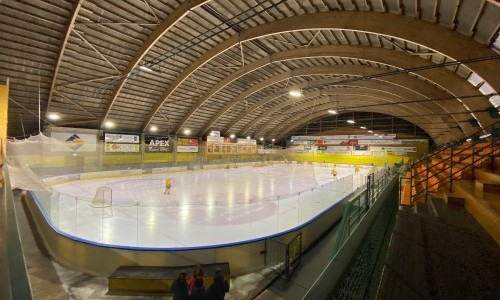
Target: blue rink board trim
x,y
94,243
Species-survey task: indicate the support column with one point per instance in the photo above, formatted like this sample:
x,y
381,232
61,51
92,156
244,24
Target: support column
x,y
4,105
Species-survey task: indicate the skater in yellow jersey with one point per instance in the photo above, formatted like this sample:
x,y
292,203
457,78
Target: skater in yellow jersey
x,y
168,185
334,172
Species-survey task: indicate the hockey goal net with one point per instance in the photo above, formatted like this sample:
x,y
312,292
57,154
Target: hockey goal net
x,y
103,197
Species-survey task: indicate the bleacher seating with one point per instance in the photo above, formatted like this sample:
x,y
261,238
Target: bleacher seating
x,y
465,175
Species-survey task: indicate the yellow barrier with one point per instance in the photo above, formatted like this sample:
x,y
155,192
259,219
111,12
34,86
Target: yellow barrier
x,y
349,159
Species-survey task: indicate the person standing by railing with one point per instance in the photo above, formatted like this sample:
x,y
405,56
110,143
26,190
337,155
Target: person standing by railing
x,y
180,288
219,287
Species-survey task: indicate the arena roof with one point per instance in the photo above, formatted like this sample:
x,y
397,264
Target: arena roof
x,y
229,65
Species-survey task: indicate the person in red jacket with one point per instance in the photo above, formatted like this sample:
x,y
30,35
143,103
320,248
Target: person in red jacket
x,y
198,272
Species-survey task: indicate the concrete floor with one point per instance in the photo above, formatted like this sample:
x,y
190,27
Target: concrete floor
x,y
440,252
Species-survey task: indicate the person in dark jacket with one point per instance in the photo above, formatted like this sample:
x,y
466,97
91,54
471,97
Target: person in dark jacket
x,y
219,287
180,288
198,292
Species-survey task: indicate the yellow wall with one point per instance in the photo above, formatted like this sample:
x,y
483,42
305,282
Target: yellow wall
x,y
4,105
158,157
186,156
349,159
122,158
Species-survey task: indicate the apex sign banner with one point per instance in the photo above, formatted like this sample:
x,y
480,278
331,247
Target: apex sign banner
x,y
157,144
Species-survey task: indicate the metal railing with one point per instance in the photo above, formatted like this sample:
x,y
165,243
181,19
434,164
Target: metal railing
x,y
16,285
359,214
360,204
439,169
284,258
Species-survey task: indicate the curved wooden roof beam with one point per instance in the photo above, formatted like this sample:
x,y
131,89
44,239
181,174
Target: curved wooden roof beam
x,y
416,108
395,88
71,23
430,35
438,137
402,79
177,15
300,119
378,55
300,112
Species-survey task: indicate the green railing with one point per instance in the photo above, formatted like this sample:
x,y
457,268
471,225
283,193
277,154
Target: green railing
x,y
359,205
17,281
359,219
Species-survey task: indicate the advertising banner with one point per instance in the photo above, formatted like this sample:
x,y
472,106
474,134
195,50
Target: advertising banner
x,y
338,152
214,133
414,142
215,139
187,149
247,141
303,142
157,143
119,138
306,138
362,152
109,147
361,147
344,137
393,148
340,148
341,142
187,141
379,142
74,142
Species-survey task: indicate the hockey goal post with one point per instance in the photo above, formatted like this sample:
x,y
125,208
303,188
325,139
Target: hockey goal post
x,y
103,197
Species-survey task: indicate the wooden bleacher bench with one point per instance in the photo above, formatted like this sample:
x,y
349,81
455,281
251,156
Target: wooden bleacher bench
x,y
157,280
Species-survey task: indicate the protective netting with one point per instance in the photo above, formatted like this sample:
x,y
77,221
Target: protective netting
x,y
25,156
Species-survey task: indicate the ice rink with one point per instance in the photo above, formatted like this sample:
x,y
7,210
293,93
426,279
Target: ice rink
x,y
204,208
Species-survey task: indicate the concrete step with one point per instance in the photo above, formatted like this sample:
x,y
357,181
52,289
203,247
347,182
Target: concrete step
x,y
487,186
454,198
484,206
485,175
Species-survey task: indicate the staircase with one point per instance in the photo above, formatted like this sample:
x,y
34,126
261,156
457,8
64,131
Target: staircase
x,y
466,173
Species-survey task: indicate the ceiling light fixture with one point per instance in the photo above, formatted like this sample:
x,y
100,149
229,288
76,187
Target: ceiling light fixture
x,y
109,124
362,127
351,121
295,93
53,116
187,131
261,139
232,135
144,68
332,111
153,128
248,137
370,131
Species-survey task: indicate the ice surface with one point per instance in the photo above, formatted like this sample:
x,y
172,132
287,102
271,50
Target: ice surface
x,y
204,207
